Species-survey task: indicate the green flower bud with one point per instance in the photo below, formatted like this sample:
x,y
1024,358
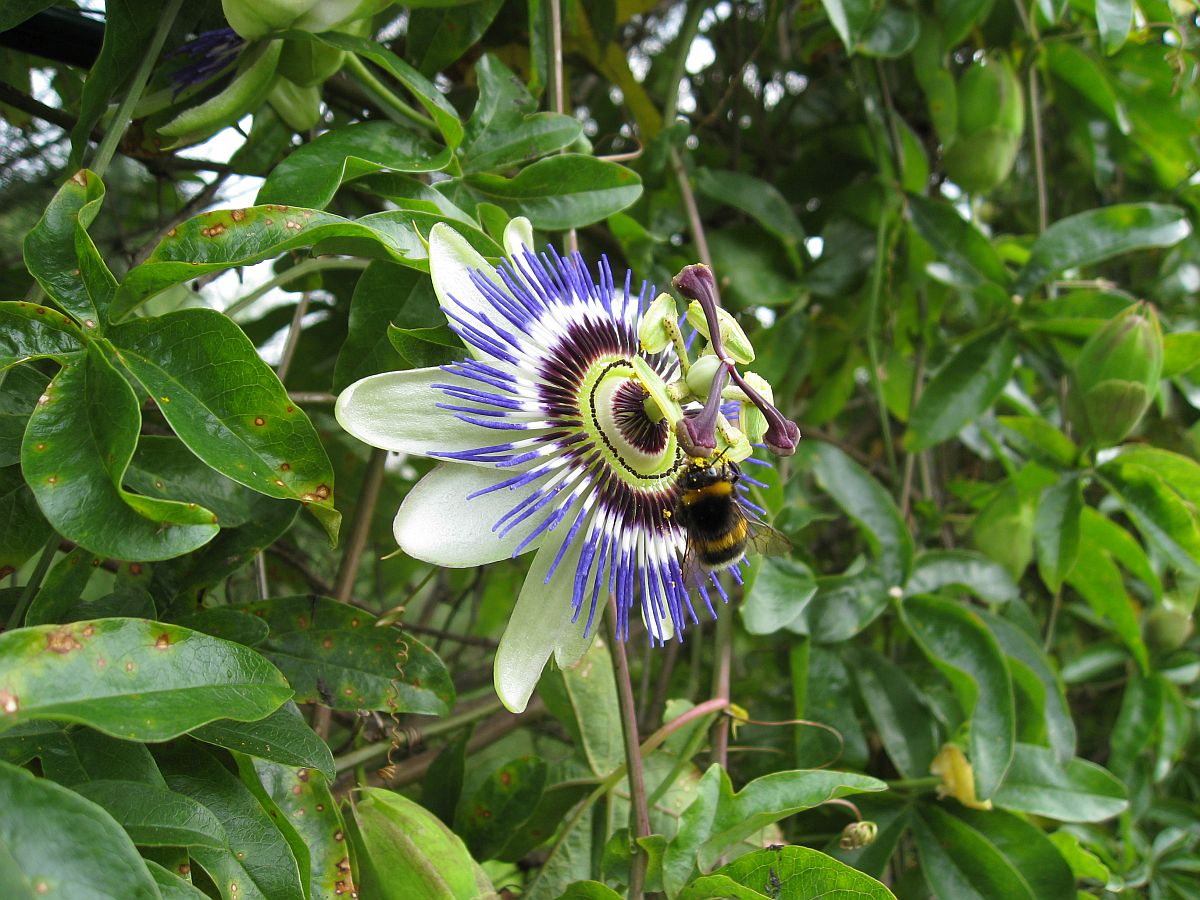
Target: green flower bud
x,y
1116,375
256,18
991,120
299,107
750,417
654,332
700,376
737,345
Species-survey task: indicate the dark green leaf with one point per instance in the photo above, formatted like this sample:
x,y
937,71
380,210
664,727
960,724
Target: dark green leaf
x,y
29,331
850,18
229,407
787,872
985,578
588,890
227,624
1138,720
894,703
506,129
1114,19
256,862
282,738
335,655
842,607
24,527
777,595
54,841
154,816
758,199
61,588
1040,438
1087,76
956,641
306,801
164,467
132,679
1181,353
49,248
958,243
1158,512
171,886
1099,234
421,348
500,806
1079,791
963,388
311,175
823,691
566,191
75,452
591,689
1056,530
443,782
439,35
974,855
22,386
864,500
86,755
893,34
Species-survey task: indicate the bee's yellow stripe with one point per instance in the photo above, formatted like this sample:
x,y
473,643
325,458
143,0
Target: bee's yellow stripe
x,y
736,535
716,489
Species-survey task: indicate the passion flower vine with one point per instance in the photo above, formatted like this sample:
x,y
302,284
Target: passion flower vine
x,y
564,434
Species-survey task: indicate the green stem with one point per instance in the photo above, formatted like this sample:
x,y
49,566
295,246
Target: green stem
x,y
683,43
386,97
914,784
640,826
35,582
302,268
116,128
881,234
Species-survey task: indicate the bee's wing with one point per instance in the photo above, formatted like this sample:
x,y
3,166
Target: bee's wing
x,y
766,541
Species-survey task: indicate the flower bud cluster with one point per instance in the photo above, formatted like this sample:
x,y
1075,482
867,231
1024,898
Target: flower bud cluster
x,y
713,378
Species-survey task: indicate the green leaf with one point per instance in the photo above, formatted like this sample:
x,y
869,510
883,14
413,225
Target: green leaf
x,y
154,816
1158,512
385,293
52,841
335,655
133,679
1181,353
1181,473
24,527
439,35
1137,721
777,596
1099,234
1084,864
963,388
22,386
591,688
1079,791
757,198
896,707
171,886
718,818
559,192
76,449
983,577
229,238
29,331
1056,530
957,242
842,607
1018,645
956,641
305,800
1073,66
823,691
1098,530
408,854
1114,19
892,35
500,806
86,755
282,738
61,587
427,94
310,175
422,348
863,499
1041,439
588,890
787,872
506,129
256,863
229,407
227,624
443,782
850,18
973,855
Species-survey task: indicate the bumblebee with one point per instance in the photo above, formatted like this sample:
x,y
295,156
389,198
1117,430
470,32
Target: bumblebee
x,y
719,530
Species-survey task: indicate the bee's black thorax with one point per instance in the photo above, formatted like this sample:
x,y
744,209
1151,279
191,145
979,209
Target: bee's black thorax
x,y
710,513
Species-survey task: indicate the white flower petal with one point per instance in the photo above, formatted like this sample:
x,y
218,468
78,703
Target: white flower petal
x,y
438,524
518,236
451,260
398,411
539,624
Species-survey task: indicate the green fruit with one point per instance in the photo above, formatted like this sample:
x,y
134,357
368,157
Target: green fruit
x,y
299,107
991,121
1167,629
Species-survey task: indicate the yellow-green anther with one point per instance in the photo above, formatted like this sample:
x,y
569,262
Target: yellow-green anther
x,y
249,88
751,418
665,407
654,332
737,345
732,443
700,376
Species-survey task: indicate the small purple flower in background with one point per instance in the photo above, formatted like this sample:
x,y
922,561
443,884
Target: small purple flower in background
x,y
563,434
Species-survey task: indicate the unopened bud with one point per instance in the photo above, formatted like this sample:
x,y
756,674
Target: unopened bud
x,y
733,338
654,332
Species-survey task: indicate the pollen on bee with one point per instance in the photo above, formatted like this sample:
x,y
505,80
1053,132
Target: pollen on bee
x,y
666,513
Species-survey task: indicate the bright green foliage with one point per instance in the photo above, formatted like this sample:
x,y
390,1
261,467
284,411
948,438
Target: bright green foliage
x,y
956,238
